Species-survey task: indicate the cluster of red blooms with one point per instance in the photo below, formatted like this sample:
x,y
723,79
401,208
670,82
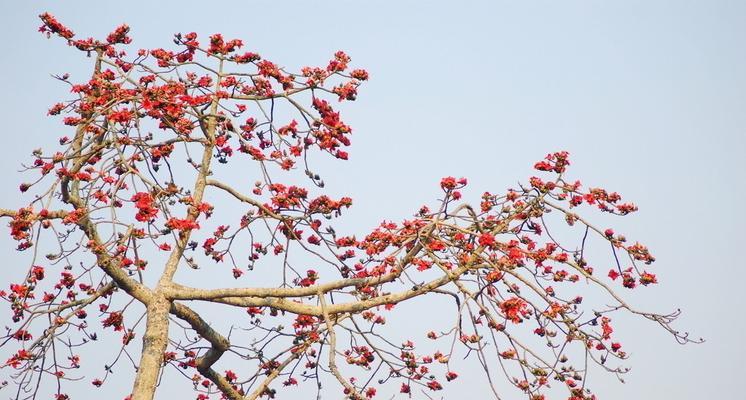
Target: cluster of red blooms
x,y
21,223
310,279
287,197
51,25
268,69
629,281
605,201
451,183
17,359
161,151
218,45
119,35
360,356
515,309
115,319
389,234
324,205
179,224
331,131
145,204
556,162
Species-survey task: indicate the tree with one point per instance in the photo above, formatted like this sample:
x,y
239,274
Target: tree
x,y
122,208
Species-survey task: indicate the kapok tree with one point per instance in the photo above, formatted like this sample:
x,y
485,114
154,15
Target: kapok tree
x,y
135,250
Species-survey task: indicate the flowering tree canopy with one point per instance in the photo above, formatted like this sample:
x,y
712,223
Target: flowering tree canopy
x,y
121,207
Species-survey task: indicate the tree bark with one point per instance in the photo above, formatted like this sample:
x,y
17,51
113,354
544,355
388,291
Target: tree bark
x,y
154,344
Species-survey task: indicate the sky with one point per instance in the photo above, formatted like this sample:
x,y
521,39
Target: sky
x,y
649,98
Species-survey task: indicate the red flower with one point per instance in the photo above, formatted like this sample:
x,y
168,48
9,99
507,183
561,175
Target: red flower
x,y
74,216
360,74
22,335
628,281
37,273
543,166
51,25
253,311
606,327
128,336
514,309
423,265
310,278
448,183
21,355
145,204
436,245
119,35
486,240
114,319
122,117
647,278
348,91
181,224
556,162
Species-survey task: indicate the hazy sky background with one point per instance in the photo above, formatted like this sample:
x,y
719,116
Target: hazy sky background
x,y
648,96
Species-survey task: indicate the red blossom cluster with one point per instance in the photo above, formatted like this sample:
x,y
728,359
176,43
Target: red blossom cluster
x,y
179,224
330,131
145,204
21,223
515,309
556,162
115,319
51,25
218,45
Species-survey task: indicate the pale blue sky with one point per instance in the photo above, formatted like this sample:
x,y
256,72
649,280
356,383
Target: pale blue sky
x,y
648,96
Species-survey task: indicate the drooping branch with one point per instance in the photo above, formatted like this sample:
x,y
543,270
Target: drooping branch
x,y
219,345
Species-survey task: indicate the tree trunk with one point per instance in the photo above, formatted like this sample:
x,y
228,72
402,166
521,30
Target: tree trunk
x,y
154,345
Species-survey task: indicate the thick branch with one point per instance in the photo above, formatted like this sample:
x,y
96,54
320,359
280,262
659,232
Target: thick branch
x,y
154,342
349,389
180,292
349,307
219,345
4,212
